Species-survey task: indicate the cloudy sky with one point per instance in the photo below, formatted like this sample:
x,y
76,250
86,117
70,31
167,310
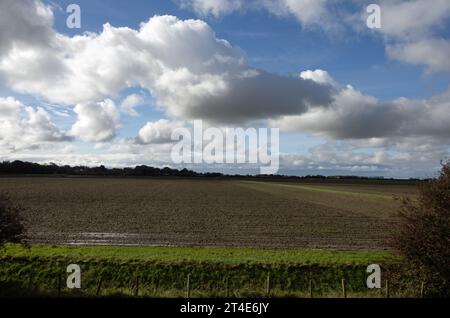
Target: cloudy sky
x,y
348,99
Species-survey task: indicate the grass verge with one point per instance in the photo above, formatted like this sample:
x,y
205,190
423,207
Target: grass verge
x,y
162,271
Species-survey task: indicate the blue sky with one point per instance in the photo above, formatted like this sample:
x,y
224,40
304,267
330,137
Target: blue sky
x,y
283,40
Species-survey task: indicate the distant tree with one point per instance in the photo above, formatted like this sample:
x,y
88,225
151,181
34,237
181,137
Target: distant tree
x,y
12,229
424,234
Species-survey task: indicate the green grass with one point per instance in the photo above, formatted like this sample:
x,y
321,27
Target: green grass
x,y
200,254
328,190
162,271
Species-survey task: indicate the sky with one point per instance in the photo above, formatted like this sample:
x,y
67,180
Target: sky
x,y
348,99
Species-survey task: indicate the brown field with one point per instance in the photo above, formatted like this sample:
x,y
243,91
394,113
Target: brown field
x,y
207,212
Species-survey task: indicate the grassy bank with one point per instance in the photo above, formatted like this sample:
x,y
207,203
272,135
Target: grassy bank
x,y
199,254
163,271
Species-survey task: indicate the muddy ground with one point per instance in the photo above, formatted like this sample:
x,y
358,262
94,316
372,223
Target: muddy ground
x,y
206,212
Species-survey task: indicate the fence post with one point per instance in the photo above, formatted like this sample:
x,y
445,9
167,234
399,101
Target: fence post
x,y
59,284
422,288
344,291
156,282
136,290
30,282
268,285
387,289
310,289
188,287
99,286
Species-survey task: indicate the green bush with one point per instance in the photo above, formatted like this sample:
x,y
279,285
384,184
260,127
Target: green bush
x,y
12,229
424,234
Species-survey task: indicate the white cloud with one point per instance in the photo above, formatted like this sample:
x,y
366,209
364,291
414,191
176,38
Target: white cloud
x,y
411,32
410,157
414,18
40,127
215,8
158,132
190,72
433,52
130,102
413,158
353,115
307,12
318,76
96,122
25,22
9,108
23,126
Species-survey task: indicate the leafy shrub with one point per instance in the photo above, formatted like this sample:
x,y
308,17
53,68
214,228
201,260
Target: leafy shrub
x,y
12,229
424,235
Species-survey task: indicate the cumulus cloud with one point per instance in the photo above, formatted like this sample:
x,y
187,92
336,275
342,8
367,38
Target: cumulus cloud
x,y
433,52
9,108
353,115
256,95
130,102
24,126
29,47
209,80
26,22
410,157
307,12
318,76
190,72
96,122
414,18
158,132
215,8
40,125
411,31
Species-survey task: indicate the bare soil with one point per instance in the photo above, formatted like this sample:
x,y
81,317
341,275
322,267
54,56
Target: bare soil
x,y
202,212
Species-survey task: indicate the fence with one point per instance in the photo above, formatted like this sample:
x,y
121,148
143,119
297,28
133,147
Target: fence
x,y
138,290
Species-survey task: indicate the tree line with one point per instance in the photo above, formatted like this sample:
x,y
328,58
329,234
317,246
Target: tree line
x,y
19,167
22,167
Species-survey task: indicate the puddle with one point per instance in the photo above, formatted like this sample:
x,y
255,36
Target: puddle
x,y
94,238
